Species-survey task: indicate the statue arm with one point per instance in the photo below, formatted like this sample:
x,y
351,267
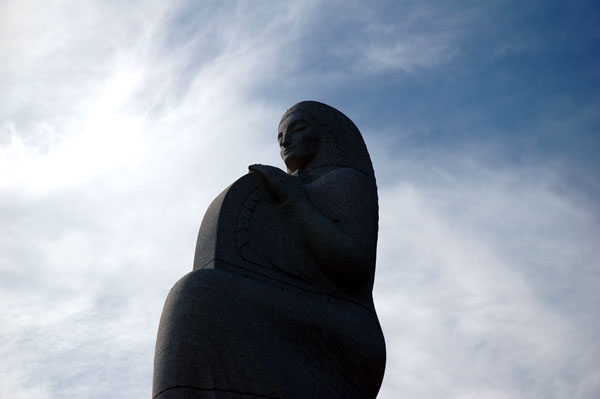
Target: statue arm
x,y
335,218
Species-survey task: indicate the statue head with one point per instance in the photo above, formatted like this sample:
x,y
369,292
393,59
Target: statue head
x,y
312,134
298,139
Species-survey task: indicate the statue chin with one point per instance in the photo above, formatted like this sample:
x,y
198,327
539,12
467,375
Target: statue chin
x,y
279,301
293,163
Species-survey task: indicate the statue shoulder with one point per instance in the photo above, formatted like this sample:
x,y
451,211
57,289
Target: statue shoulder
x,y
345,194
344,181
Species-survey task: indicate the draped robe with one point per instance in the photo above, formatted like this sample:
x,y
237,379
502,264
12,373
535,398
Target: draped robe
x,y
260,316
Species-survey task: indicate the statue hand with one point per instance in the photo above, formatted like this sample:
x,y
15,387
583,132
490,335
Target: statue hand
x,y
281,185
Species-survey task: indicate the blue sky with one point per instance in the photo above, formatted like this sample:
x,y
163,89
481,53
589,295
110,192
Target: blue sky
x,y
119,123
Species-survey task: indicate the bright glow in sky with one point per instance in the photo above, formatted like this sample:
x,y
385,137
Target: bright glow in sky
x,y
121,121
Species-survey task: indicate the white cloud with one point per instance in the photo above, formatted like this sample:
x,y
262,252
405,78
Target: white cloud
x,y
465,265
106,140
108,181
409,38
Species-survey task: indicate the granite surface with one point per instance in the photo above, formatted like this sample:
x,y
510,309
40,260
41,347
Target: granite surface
x,y
279,301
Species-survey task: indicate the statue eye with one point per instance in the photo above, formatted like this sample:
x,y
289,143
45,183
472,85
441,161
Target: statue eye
x,y
299,128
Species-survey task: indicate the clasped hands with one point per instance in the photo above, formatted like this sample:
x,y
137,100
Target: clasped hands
x,y
281,185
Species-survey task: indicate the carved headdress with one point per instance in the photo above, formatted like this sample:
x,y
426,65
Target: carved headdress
x,y
341,142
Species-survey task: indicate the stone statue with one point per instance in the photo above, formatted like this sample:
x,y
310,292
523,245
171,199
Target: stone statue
x,y
279,302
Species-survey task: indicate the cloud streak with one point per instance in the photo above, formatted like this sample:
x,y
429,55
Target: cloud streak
x,y
472,273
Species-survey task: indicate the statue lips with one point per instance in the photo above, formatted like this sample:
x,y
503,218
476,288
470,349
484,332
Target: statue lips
x,y
288,149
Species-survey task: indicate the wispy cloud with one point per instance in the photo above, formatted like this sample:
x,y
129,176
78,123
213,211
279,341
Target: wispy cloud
x,y
470,272
405,38
129,155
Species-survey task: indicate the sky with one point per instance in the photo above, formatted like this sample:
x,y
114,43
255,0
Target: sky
x,y
121,121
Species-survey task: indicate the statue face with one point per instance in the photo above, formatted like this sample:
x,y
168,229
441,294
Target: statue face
x,y
298,140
